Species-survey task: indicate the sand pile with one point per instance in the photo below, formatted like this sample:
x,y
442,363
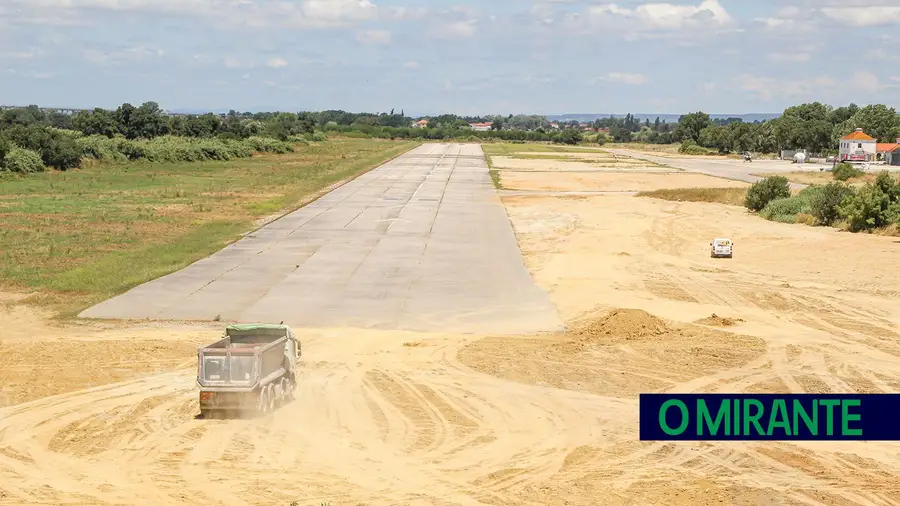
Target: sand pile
x,y
719,321
628,324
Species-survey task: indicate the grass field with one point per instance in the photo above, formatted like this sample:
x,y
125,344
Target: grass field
x,y
79,237
730,196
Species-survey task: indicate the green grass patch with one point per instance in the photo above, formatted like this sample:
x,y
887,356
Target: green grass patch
x,y
506,149
730,196
81,236
495,178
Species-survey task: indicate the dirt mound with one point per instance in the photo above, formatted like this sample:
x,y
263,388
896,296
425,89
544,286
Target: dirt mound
x,y
628,324
719,321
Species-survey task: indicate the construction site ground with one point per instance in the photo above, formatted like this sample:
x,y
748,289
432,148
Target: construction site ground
x,y
99,412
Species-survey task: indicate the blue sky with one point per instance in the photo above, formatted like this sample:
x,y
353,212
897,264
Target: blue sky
x,y
462,56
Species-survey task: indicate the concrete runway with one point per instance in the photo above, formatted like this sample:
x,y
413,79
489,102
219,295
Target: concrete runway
x,y
737,170
421,243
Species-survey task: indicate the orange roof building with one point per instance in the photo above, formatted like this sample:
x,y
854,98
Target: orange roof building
x,y
858,136
857,147
886,147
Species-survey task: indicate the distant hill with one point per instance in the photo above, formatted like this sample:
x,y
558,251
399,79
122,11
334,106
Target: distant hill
x,y
668,118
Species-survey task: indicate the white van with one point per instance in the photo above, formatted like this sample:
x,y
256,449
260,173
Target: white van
x,y
721,247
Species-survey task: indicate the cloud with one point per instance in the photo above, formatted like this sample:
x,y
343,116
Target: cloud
x,y
376,37
621,77
412,64
866,81
277,63
863,16
798,57
661,16
458,29
129,55
768,88
222,13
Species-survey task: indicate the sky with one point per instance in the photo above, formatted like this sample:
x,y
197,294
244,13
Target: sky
x,y
453,56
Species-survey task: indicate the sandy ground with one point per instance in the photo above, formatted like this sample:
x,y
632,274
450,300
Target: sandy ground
x,y
611,181
574,163
426,419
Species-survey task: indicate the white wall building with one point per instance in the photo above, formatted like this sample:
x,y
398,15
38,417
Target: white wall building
x,y
857,147
481,127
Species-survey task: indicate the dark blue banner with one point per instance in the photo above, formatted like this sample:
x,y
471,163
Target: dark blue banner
x,y
769,417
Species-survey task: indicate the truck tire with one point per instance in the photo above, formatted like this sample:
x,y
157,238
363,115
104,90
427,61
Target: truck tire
x,y
291,393
262,404
283,397
272,397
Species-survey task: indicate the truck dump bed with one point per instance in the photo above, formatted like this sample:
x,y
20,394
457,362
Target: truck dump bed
x,y
246,356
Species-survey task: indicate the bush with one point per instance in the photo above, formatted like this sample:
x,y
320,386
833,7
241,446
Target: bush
x,y
875,205
319,137
169,148
845,171
100,147
785,210
791,209
827,200
57,149
690,147
569,136
21,160
762,192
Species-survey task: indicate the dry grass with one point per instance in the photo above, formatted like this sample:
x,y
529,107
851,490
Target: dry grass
x,y
820,177
82,236
729,196
671,149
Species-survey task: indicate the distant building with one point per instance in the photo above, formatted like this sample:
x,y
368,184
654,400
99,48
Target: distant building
x,y
857,147
422,123
893,158
481,127
883,150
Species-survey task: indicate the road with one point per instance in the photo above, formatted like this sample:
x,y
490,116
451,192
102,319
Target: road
x,y
421,243
737,170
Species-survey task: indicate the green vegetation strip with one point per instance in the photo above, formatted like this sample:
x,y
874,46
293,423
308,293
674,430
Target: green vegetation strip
x,y
82,236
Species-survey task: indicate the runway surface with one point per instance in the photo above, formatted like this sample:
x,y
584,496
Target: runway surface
x,y
420,243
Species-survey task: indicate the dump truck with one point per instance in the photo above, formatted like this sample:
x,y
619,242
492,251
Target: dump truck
x,y
251,369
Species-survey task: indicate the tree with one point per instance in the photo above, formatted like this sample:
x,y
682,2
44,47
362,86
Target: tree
x,y
879,121
690,125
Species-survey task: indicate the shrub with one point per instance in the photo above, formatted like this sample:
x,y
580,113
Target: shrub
x,y
790,209
5,146
569,136
100,147
762,192
21,160
784,210
869,207
319,137
57,149
845,171
690,147
827,200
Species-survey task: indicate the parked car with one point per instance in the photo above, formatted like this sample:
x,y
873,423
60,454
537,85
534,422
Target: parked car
x,y
721,248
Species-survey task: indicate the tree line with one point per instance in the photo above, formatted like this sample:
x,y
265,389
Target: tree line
x,y
131,132
814,126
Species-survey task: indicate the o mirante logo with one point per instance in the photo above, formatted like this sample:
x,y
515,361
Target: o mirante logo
x,y
754,417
